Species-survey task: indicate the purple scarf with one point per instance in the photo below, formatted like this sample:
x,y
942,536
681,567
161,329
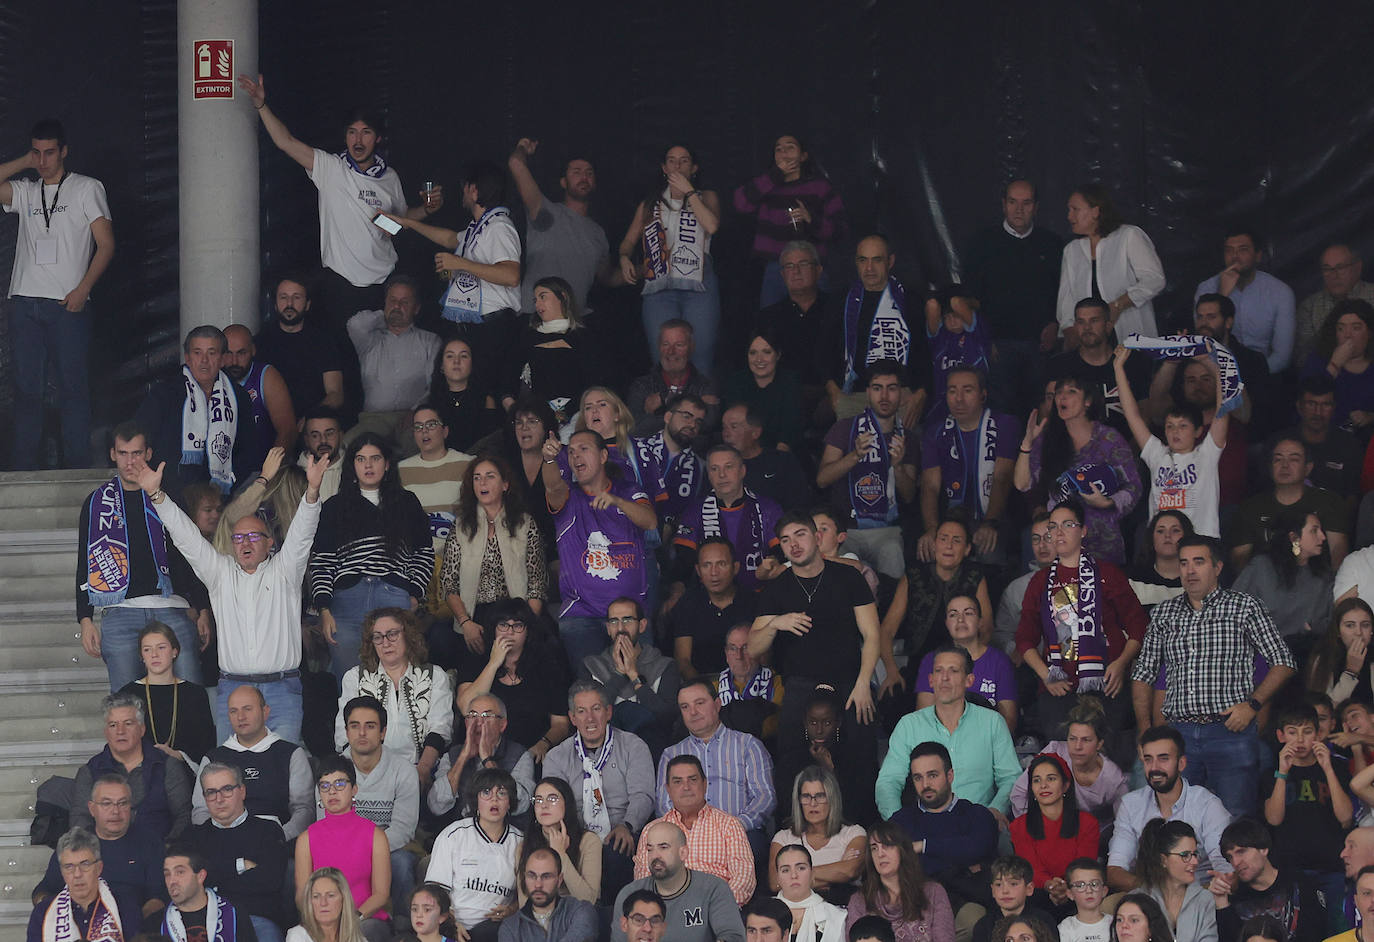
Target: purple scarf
x,y
109,561
888,339
1072,626
749,550
871,481
954,463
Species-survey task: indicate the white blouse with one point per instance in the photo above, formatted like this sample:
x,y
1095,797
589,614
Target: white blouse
x,y
1126,264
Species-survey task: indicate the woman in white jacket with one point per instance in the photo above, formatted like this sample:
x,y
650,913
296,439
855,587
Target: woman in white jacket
x,y
1111,260
813,919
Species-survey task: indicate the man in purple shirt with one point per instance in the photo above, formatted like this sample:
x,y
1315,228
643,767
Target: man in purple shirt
x,y
600,522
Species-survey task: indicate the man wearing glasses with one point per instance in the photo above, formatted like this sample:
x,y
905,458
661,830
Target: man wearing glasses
x,y
670,450
806,323
484,746
87,907
245,856
128,855
256,599
1342,272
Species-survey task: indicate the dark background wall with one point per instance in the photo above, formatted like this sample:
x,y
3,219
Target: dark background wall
x,y
1191,113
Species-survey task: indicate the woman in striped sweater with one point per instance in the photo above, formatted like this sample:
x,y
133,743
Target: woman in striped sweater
x,y
372,550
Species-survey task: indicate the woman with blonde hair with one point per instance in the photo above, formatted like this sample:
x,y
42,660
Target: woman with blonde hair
x,y
328,913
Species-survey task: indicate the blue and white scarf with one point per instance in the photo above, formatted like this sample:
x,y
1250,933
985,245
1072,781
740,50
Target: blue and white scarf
x,y
208,425
462,301
758,687
890,337
109,560
595,816
954,463
872,485
375,171
1187,346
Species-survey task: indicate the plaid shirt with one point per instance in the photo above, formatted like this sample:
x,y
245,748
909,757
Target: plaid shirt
x,y
1209,652
715,844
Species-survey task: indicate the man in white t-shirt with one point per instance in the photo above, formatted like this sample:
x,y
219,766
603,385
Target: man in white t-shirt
x,y
354,187
1183,468
483,263
65,243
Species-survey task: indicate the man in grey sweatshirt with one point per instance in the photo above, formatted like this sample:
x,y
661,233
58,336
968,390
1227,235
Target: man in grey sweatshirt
x,y
701,907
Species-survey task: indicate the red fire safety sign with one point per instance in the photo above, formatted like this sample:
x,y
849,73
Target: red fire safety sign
x,y
214,66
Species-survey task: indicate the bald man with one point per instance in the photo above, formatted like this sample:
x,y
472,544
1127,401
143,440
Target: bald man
x,y
274,418
701,906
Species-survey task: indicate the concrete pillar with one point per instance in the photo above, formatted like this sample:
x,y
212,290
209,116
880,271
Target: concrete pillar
x,y
217,137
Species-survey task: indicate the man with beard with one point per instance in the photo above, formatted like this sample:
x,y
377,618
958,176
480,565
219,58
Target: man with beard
x,y
274,417
612,777
322,440
312,358
548,915
197,912
701,907
637,677
1266,319
396,358
769,472
1166,795
1255,887
1091,362
355,186
670,450
733,511
560,238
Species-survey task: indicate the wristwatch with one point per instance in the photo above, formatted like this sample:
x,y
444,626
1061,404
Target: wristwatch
x,y
1255,704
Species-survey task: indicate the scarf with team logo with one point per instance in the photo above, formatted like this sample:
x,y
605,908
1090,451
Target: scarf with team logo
x,y
748,547
208,424
954,463
759,686
872,485
595,815
889,338
681,264
1072,626
59,922
375,171
1187,346
463,299
109,561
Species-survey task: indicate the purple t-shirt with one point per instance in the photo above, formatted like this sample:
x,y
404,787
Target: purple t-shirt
x,y
965,348
600,552
749,527
957,454
993,676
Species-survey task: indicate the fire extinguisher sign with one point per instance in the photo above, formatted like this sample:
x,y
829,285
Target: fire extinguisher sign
x,y
214,68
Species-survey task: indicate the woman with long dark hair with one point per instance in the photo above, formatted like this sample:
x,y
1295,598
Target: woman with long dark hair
x,y
1166,866
558,828
671,235
1070,445
373,549
549,358
1110,260
1157,575
458,395
495,550
1139,919
528,425
769,387
1294,579
1053,832
792,200
1340,665
1344,353
895,887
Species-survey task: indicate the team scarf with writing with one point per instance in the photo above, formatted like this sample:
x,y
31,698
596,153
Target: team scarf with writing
x,y
683,265
376,171
463,300
682,473
872,485
595,815
953,461
413,692
109,561
59,922
1072,626
1079,481
750,547
890,337
759,686
221,922
1187,346
207,427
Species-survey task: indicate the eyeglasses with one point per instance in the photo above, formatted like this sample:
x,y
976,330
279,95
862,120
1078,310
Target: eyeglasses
x,y
640,920
798,266
689,415
547,800
1184,855
818,799
1332,269
82,865
1066,525
337,785
496,792
1082,885
379,636
623,620
1037,538
516,626
212,793
427,426
484,715
253,536
108,803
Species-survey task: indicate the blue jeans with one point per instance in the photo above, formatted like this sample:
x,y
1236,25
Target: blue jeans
x,y
267,930
402,882
1227,763
41,328
582,636
349,607
701,309
119,628
283,706
1331,885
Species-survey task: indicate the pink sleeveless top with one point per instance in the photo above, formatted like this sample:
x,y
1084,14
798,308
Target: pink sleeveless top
x,y
345,841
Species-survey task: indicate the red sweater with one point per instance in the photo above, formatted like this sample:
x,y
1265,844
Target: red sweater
x,y
1119,610
1052,855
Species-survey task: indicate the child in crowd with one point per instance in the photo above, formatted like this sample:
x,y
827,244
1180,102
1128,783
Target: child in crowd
x,y
1183,467
958,337
1013,882
1087,880
1357,733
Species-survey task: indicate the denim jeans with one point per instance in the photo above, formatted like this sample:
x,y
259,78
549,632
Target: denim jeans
x,y
283,706
701,309
402,882
267,930
41,328
119,628
349,607
582,636
1227,763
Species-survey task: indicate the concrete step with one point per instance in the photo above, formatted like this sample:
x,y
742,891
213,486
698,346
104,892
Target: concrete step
x,y
40,588
54,751
55,705
30,561
59,726
39,517
22,868
62,653
15,908
49,488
